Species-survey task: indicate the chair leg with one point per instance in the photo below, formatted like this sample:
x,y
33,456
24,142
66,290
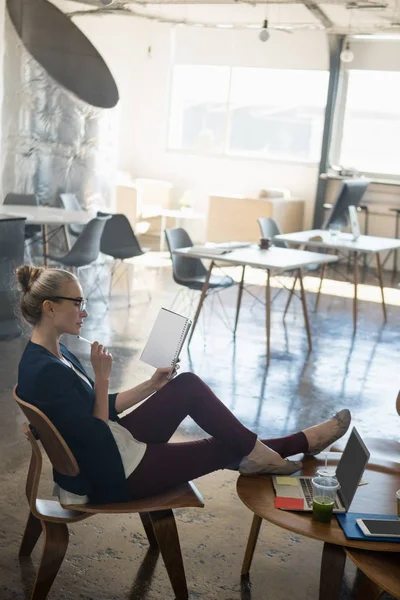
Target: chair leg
x,y
148,527
54,549
168,541
369,590
31,535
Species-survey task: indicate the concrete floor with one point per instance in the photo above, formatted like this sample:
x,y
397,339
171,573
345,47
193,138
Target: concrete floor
x,y
105,559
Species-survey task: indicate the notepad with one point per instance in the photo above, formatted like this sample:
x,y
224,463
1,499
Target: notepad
x,y
287,481
166,339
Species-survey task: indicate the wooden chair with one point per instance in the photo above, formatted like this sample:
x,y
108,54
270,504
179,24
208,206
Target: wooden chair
x,y
381,570
52,518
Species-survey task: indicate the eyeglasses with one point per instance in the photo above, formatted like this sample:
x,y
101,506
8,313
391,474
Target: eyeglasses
x,y
82,301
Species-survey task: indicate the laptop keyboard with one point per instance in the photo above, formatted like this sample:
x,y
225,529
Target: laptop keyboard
x,y
308,493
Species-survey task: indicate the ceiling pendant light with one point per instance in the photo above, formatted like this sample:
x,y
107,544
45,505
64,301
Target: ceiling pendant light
x,y
347,55
264,33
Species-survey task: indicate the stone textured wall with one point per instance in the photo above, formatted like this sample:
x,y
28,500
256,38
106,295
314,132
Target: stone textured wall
x,y
53,141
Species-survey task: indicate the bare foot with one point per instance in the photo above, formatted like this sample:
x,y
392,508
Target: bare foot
x,y
324,434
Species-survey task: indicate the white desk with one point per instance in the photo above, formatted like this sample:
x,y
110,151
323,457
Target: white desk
x,y
47,216
366,244
274,261
165,213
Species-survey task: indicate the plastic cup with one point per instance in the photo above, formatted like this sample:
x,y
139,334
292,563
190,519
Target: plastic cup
x,y
324,494
398,503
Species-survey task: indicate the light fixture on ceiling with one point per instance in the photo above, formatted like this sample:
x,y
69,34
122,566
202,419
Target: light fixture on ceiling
x,y
264,33
106,2
347,55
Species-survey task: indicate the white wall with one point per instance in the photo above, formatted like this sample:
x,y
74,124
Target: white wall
x,y
144,89
2,14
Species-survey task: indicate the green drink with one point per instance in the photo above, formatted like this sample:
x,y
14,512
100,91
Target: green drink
x,y
322,510
324,494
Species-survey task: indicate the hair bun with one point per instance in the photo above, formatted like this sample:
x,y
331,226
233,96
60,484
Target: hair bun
x,y
27,275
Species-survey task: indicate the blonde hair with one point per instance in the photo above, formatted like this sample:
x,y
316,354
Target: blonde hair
x,y
36,285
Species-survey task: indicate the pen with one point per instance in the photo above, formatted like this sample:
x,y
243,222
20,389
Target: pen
x,y
84,339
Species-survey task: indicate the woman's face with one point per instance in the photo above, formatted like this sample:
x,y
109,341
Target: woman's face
x,y
67,314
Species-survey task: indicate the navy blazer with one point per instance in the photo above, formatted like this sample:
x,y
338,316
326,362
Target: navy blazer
x,y
67,400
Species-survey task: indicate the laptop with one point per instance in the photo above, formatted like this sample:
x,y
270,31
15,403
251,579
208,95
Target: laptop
x,y
349,471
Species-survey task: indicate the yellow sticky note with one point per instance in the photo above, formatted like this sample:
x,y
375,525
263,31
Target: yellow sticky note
x,y
287,481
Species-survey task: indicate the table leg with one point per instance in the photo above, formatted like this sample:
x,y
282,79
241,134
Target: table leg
x,y
379,270
305,312
320,286
202,297
239,298
251,545
45,245
288,301
268,314
162,234
332,567
355,279
396,235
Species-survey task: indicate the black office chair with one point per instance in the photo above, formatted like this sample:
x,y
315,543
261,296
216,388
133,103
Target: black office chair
x,y
190,273
31,231
86,248
269,228
71,202
119,241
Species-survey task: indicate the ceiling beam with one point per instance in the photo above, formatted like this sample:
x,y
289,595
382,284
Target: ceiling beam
x,y
318,13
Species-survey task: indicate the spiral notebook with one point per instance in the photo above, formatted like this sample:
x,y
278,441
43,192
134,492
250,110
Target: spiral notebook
x,y
166,339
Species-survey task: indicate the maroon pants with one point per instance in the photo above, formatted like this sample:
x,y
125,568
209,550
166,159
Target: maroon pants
x,y
165,465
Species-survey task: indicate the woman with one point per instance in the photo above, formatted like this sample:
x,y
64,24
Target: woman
x,y
131,457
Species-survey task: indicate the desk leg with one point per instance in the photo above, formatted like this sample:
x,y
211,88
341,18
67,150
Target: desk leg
x,y
323,269
162,234
202,297
268,314
251,545
332,567
290,297
239,298
379,271
305,312
45,245
355,300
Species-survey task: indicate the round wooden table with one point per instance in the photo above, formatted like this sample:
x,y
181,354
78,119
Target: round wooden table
x,y
378,496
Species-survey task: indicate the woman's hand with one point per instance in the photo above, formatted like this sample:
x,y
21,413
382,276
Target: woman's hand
x,y
160,377
101,361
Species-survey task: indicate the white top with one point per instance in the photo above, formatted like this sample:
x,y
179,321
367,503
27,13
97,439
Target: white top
x,y
274,259
341,241
130,449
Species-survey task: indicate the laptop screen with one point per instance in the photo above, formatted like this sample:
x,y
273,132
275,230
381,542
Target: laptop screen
x,y
351,467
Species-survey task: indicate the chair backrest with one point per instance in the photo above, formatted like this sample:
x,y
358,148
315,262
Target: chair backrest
x,y
87,247
21,199
118,239
54,445
71,202
269,228
398,403
184,269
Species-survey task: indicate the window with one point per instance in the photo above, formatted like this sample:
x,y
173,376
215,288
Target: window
x,y
198,108
371,128
252,112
